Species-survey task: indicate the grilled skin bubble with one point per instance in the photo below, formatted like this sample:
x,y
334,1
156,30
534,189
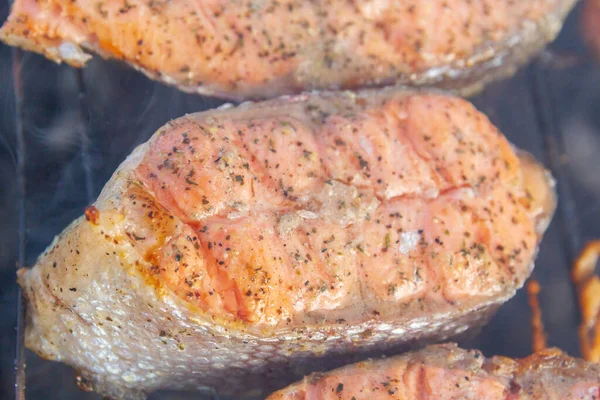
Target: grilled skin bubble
x,y
445,372
244,247
257,49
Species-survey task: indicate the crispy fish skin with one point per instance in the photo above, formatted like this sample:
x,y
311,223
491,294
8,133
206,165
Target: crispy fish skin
x,y
244,247
447,372
260,49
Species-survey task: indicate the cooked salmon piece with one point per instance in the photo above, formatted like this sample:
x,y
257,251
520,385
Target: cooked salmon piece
x,y
256,49
445,372
241,248
590,26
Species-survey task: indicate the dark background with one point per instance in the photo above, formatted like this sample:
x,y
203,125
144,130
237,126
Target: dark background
x,y
71,144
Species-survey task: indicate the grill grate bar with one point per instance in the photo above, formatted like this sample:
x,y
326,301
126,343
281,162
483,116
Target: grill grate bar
x,y
548,121
22,218
85,138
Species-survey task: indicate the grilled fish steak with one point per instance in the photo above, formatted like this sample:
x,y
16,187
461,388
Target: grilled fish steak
x,y
257,49
447,372
241,248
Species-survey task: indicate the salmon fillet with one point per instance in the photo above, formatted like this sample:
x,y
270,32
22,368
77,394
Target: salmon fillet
x,y
590,25
257,49
445,372
241,248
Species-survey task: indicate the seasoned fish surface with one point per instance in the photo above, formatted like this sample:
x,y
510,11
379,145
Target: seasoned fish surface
x,y
254,49
447,372
242,248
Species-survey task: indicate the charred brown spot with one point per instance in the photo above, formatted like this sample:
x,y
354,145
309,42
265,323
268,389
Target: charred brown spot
x,y
92,215
83,384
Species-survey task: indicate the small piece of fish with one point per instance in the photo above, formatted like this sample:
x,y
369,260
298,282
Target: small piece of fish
x,y
446,372
588,289
258,49
590,26
242,248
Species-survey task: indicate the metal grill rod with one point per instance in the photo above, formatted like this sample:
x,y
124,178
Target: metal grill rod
x,y
22,221
547,116
86,159
85,143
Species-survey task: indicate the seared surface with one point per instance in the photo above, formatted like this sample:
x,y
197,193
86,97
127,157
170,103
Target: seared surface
x,y
247,49
239,240
447,372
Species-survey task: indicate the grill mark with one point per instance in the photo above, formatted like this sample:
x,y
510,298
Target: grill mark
x,y
259,170
422,387
408,141
173,207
